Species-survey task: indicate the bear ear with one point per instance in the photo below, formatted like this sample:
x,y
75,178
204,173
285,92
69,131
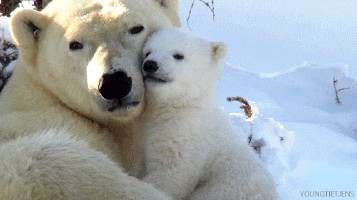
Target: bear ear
x,y
171,9
26,27
219,51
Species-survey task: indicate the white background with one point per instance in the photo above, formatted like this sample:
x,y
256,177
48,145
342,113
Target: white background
x,y
270,35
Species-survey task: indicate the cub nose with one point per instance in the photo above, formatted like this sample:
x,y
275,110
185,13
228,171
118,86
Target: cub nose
x,y
150,66
115,86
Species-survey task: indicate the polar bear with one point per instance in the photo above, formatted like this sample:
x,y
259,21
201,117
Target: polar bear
x,y
191,150
66,114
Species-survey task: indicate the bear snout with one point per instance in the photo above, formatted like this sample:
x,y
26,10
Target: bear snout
x,y
115,86
150,66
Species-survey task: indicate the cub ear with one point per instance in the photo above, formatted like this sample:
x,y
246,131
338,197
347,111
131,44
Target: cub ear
x,y
171,9
26,27
219,51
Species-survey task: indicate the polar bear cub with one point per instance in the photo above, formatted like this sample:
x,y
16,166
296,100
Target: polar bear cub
x,y
191,150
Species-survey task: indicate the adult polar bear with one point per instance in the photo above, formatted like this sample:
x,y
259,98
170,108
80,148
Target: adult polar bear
x,y
78,73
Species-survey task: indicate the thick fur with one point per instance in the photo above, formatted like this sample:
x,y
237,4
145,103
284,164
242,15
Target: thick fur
x,y
191,150
31,165
59,139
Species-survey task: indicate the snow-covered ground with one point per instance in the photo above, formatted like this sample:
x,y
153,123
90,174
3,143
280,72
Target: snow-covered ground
x,y
323,151
270,35
274,48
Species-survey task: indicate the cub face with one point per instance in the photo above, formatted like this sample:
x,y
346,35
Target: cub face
x,y
179,66
87,52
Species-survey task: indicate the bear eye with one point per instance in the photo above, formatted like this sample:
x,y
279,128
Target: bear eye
x,y
75,45
147,54
178,56
136,29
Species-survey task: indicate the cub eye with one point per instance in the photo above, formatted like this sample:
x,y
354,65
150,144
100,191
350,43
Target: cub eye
x,y
178,56
147,54
75,45
136,29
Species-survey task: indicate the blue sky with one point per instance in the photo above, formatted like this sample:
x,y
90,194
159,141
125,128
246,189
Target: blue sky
x,y
270,35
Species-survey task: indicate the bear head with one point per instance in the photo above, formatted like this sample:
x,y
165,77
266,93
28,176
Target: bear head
x,y
180,68
87,53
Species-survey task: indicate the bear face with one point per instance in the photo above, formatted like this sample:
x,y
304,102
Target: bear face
x,y
87,53
179,67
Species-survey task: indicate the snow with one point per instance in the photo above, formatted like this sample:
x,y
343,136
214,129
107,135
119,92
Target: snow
x,y
320,149
283,57
4,29
270,35
271,140
5,35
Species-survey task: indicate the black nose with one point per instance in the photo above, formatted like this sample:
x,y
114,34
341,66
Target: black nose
x,y
115,86
150,66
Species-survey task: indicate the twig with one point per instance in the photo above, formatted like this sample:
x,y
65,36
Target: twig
x,y
246,105
337,91
210,5
189,14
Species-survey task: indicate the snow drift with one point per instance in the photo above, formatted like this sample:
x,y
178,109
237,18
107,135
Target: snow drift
x,y
320,152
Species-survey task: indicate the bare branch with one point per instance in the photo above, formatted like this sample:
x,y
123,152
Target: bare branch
x,y
209,4
246,105
347,88
337,91
189,14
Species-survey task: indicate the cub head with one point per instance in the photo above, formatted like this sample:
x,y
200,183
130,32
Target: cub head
x,y
181,68
87,53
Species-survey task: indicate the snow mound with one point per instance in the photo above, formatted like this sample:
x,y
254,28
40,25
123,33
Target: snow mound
x,y
271,141
302,94
320,149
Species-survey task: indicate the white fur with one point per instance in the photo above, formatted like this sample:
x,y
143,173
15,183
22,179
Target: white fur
x,y
58,140
79,171
190,148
